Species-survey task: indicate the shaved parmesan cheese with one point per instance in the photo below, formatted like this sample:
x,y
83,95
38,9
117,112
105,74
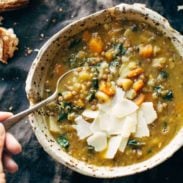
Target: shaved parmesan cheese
x,y
148,112
119,96
82,127
142,127
115,121
116,126
123,144
113,146
128,127
124,108
105,122
95,126
105,107
133,119
98,140
90,114
180,7
108,123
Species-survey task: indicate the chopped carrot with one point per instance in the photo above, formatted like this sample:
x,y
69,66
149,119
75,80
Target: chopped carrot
x,y
95,44
146,51
140,99
138,85
86,36
107,88
135,72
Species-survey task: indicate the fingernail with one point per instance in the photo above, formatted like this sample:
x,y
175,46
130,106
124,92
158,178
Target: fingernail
x,y
5,113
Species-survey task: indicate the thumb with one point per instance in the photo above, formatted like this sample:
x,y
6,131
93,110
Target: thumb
x,y
2,140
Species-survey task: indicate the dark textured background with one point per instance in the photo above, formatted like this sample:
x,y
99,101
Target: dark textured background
x,y
34,25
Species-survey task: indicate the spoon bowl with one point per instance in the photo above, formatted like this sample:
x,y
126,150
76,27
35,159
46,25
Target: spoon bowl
x,y
59,86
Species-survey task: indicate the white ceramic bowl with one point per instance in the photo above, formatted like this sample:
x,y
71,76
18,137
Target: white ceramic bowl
x,y
38,71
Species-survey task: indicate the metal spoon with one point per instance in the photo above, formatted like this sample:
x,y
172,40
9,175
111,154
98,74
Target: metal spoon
x,y
14,119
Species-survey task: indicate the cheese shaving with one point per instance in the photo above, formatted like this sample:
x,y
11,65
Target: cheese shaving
x,y
124,108
82,127
142,127
114,123
98,140
90,114
113,146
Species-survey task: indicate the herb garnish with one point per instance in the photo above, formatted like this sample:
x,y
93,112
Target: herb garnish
x,y
63,141
133,143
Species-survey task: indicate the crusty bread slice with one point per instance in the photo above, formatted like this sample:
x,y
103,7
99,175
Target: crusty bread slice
x,y
6,5
8,44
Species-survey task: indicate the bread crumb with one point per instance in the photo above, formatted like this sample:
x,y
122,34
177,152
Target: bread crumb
x,y
60,9
15,23
180,7
28,51
53,20
36,50
10,108
42,35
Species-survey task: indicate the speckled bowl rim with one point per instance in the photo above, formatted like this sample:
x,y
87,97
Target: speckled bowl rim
x,y
80,166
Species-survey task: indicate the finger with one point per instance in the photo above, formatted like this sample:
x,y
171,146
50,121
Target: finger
x,y
2,178
2,139
12,145
9,164
5,115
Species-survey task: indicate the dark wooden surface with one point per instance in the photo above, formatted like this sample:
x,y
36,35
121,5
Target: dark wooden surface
x,y
34,25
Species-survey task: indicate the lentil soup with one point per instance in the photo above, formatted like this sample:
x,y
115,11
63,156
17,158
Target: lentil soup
x,y
127,73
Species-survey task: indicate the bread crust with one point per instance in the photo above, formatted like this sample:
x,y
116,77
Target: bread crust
x,y
6,5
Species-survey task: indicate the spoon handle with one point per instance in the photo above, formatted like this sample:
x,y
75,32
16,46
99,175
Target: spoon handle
x,y
14,119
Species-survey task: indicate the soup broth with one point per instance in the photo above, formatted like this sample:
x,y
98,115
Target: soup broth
x,y
135,58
